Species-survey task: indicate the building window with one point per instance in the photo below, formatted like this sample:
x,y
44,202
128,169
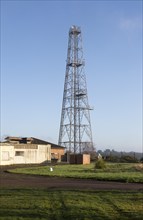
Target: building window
x,y
5,155
19,153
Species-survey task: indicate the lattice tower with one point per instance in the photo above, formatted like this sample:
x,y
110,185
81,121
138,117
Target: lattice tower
x,y
75,127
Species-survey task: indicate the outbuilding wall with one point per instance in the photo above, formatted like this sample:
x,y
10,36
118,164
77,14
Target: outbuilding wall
x,y
24,154
6,155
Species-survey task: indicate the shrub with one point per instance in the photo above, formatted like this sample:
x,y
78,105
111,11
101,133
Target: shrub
x,y
100,164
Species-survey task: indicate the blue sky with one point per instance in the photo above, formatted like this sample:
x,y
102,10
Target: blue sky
x,y
34,39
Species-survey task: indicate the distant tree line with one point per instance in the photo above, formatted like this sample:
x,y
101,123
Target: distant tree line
x,y
115,156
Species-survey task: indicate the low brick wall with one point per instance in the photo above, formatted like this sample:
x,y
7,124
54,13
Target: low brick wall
x,y
57,153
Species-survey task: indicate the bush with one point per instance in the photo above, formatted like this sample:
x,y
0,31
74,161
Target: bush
x,y
100,164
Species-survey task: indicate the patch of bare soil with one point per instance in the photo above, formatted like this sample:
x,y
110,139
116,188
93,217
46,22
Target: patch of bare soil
x,y
9,180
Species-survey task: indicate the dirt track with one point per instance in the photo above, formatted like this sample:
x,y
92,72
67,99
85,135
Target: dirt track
x,y
8,180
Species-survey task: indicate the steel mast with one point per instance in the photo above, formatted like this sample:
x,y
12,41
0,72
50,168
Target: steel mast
x,y
75,127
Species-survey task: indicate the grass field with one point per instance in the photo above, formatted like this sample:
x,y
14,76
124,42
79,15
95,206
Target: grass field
x,y
124,172
35,204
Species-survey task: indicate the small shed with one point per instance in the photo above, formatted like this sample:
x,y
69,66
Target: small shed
x,y
79,158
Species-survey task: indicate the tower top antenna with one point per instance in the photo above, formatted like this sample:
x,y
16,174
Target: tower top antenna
x,y
74,30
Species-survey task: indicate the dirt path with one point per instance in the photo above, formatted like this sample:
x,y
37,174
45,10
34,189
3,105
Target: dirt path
x,y
9,180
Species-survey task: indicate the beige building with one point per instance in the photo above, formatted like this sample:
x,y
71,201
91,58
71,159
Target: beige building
x,y
25,150
24,154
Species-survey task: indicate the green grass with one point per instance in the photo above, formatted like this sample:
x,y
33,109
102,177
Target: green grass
x,y
123,172
35,204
